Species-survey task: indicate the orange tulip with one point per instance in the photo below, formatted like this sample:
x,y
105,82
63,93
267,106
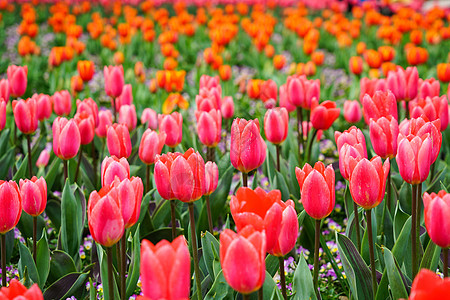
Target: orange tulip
x,y
85,69
356,65
443,72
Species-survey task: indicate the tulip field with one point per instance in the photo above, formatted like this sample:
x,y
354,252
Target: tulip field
x,y
224,149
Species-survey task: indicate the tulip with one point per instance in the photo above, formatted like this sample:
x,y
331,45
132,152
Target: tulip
x,y
25,115
443,72
113,167
17,290
382,104
17,78
303,92
209,127
370,86
433,108
276,122
208,82
76,84
114,80
89,106
211,177
139,71
151,145
86,126
248,248
383,135
356,65
2,113
352,111
4,89
165,269
428,285
209,99
85,69
284,99
151,117
437,211
227,107
268,90
324,114
10,206
66,138
118,140
248,149
126,98
351,136
373,58
129,193
172,126
127,116
403,83
34,195
43,106
428,88
225,72
62,103
105,120
43,159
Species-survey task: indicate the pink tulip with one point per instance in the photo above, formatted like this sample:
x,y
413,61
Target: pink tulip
x,y
211,177
2,113
414,157
351,136
44,106
307,127
346,152
302,92
434,108
10,205
43,159
172,126
151,145
129,193
428,88
118,140
370,86
276,125
105,120
284,99
247,149
125,98
437,217
34,195
383,135
66,138
4,89
209,127
324,114
89,106
269,91
382,104
17,78
208,82
113,167
352,111
25,115
114,80
227,107
151,117
208,99
127,116
62,103
403,83
86,126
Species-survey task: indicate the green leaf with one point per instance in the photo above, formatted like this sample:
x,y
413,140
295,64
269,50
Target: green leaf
x,y
22,170
67,286
209,246
133,269
431,257
396,283
52,172
355,268
272,264
71,221
220,289
26,261
10,243
104,275
280,183
61,264
6,161
303,286
53,211
269,286
43,259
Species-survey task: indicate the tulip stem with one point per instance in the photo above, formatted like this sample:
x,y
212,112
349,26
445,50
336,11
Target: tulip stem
x,y
210,154
148,185
282,277
244,179
418,213
34,238
388,198
311,142
109,255
316,259
358,233
371,252
94,161
226,134
30,163
173,219
245,297
445,251
114,109
80,155
65,170
260,294
123,269
413,231
278,157
3,246
300,130
208,210
194,250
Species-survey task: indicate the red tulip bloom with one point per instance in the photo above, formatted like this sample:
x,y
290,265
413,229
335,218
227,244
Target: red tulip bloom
x,y
118,140
17,78
268,91
172,126
324,114
86,125
317,189
414,157
370,86
428,88
227,107
248,149
85,69
17,290
437,217
151,117
351,136
2,114
43,159
25,115
434,108
10,205
382,104
242,257
66,138
211,177
352,111
209,127
113,167
208,82
209,98
34,195
62,103
127,116
4,89
114,80
105,120
427,286
302,92
165,269
284,99
89,106
151,145
125,98
403,83
276,123
383,135
43,105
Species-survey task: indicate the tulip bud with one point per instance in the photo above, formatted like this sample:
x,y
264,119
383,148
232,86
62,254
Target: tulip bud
x,y
17,290
268,90
324,114
86,126
211,177
428,88
383,135
43,106
437,211
151,117
34,195
302,92
208,99
127,116
351,136
227,107
89,106
126,98
433,108
346,152
62,103
172,126
284,99
209,82
25,115
105,120
151,145
113,167
17,78
43,159
4,89
10,205
118,140
276,123
414,157
209,127
66,138
370,86
403,83
428,285
352,111
382,104
225,72
317,189
114,80
356,65
129,193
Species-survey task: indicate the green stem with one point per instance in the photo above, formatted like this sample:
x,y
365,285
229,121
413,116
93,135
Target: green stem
x,y
173,219
413,231
66,175
388,198
3,250
123,269
226,134
194,250
278,157
316,259
445,251
80,155
94,161
109,255
208,210
148,186
311,142
34,238
30,163
358,232
245,297
260,294
418,214
282,277
244,179
114,109
300,130
371,252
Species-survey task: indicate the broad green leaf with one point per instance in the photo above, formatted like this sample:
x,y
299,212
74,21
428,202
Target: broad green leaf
x,y
26,261
209,245
431,257
303,286
61,264
396,283
43,259
133,269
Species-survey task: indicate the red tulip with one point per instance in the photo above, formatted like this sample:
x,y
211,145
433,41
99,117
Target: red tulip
x,y
403,83
352,111
368,180
427,286
165,269
284,99
208,82
227,107
437,217
276,122
265,211
317,189
10,205
127,116
25,115
383,135
86,125
151,145
382,104
85,69
172,126
209,127
211,177
89,106
414,157
113,167
370,86
17,290
209,98
151,117
2,114
356,65
118,140
17,78
66,138
43,159
62,103
434,108
114,80
4,89
43,106
324,114
346,152
351,136
242,257
105,218
421,126
34,195
302,92
125,98
428,88
248,149
105,120
129,193
268,91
